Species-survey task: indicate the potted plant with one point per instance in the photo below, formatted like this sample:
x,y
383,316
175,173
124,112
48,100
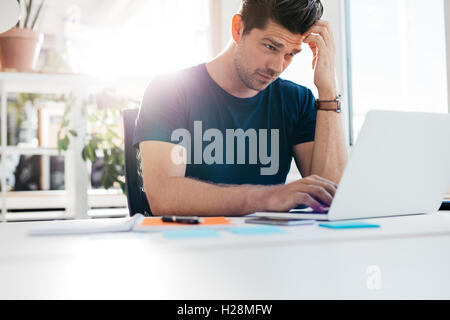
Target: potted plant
x,y
104,142
20,46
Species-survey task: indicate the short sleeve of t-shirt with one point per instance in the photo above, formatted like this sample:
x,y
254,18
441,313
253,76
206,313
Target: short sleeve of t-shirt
x,y
161,112
304,124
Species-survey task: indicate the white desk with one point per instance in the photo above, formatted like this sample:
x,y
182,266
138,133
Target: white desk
x,y
411,256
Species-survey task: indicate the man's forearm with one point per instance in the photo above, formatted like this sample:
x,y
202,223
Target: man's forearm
x,y
330,151
186,196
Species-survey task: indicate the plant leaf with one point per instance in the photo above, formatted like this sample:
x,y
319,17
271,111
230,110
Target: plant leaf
x,y
63,144
65,123
91,153
84,154
37,14
28,12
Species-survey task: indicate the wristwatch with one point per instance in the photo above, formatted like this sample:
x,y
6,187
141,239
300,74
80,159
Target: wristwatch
x,y
330,105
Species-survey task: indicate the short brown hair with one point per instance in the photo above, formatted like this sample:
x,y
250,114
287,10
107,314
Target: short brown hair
x,y
297,16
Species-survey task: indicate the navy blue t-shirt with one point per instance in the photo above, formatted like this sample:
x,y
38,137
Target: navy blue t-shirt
x,y
276,119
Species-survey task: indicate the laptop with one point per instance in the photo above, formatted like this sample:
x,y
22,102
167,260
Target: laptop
x,y
400,165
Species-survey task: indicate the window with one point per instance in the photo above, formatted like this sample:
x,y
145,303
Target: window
x,y
300,70
398,57
140,38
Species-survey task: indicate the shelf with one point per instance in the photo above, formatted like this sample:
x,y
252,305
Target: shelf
x,y
55,199
42,83
58,215
108,213
76,199
32,151
36,215
62,83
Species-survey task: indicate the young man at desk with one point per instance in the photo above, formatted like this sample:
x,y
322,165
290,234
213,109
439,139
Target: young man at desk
x,y
218,138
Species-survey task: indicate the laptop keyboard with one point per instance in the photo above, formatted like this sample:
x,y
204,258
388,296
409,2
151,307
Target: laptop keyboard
x,y
306,209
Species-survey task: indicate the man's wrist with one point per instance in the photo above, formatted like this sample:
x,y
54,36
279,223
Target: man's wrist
x,y
334,104
258,198
327,94
254,199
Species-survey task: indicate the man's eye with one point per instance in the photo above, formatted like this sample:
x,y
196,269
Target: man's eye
x,y
272,48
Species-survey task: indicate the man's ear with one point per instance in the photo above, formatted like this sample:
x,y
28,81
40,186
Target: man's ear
x,y
237,27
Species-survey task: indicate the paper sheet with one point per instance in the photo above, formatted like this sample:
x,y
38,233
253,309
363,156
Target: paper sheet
x,y
87,226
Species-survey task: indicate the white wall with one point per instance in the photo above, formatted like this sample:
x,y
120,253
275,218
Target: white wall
x,y
228,9
447,35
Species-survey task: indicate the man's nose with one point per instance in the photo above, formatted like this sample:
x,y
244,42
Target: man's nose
x,y
276,65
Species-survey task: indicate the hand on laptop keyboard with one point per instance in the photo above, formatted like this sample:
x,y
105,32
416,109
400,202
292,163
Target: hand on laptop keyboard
x,y
313,191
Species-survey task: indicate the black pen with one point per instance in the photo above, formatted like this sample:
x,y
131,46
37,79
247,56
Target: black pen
x,y
188,220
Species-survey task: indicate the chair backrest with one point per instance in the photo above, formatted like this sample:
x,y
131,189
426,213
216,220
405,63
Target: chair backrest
x,y
137,200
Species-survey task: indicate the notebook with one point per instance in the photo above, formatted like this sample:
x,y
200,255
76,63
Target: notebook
x,y
136,223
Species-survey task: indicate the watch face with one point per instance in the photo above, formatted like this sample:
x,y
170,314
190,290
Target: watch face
x,y
339,104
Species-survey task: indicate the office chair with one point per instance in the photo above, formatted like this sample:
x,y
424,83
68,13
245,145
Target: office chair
x,y
136,197
445,205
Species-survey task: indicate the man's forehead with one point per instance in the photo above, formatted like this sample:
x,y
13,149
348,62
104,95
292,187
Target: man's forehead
x,y
282,35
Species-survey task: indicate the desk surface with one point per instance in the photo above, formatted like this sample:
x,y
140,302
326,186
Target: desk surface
x,y
408,257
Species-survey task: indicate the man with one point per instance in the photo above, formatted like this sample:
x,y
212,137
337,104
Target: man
x,y
218,138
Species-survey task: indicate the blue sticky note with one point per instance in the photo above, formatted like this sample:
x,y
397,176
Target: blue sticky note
x,y
348,225
256,230
194,233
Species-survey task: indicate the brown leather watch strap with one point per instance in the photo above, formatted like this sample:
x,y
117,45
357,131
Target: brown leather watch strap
x,y
330,105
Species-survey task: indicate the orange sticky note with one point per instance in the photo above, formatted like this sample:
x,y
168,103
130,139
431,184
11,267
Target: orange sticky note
x,y
157,222
215,220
